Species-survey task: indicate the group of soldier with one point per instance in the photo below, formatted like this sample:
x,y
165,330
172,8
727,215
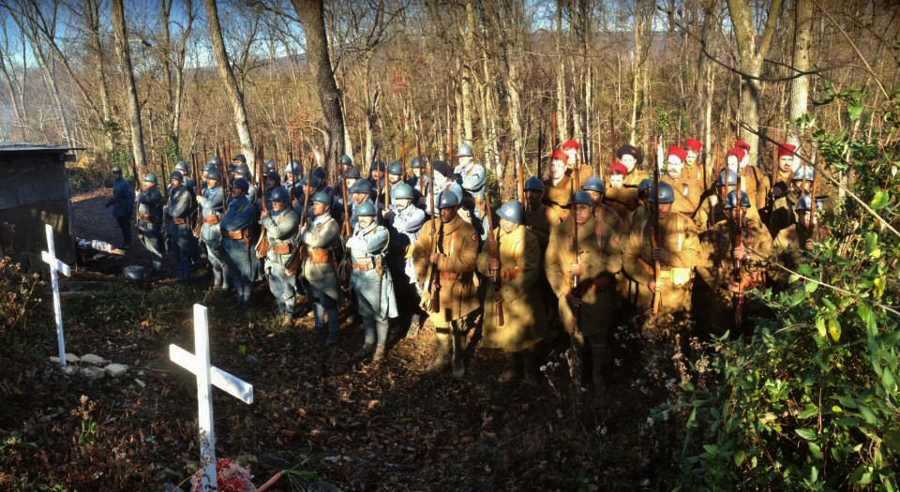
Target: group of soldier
x,y
575,251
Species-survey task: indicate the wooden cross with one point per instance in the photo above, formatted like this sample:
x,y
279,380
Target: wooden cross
x,y
207,376
49,257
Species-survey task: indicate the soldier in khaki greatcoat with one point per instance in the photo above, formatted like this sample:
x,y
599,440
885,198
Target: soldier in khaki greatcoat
x,y
727,267
447,272
687,189
539,218
519,268
755,182
676,253
782,199
582,274
798,237
560,185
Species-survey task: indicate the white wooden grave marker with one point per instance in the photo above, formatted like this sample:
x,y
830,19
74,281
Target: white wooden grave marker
x,y
49,257
207,375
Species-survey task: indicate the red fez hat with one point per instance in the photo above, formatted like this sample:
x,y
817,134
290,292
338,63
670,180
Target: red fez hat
x,y
737,152
618,168
678,151
693,144
786,149
741,144
559,154
570,144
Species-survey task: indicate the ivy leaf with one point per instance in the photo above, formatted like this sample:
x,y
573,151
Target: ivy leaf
x,y
739,457
854,109
806,433
820,325
815,450
882,198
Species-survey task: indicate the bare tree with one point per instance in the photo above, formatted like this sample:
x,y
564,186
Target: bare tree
x,y
173,61
235,94
803,10
123,51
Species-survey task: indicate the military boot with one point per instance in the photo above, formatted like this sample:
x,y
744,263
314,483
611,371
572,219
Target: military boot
x,y
217,278
441,352
459,351
413,330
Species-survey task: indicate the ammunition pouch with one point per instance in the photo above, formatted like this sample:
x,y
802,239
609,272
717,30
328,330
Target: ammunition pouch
x,y
237,235
320,255
281,248
211,220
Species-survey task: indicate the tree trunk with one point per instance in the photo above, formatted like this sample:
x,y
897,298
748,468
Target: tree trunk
x,y
751,53
92,16
234,92
800,85
562,123
466,72
311,13
134,112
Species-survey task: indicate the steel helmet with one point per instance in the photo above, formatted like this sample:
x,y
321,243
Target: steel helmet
x,y
645,185
416,163
116,170
464,150
362,186
594,184
664,194
447,199
181,166
804,173
293,168
242,170
402,191
214,174
322,197
274,176
352,173
731,177
805,203
364,209
240,157
581,197
731,198
269,166
395,168
377,166
280,194
346,160
534,184
242,184
150,178
512,211
177,176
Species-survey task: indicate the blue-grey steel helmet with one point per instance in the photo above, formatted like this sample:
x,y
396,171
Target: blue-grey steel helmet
x,y
416,163
293,168
150,178
805,203
274,176
214,174
214,162
447,199
581,197
804,173
464,150
512,211
362,186
728,174
594,184
269,166
177,176
395,168
240,158
377,166
364,209
346,160
731,199
280,194
534,184
645,185
242,184
352,173
322,197
242,170
665,194
182,166
402,191
210,166
116,170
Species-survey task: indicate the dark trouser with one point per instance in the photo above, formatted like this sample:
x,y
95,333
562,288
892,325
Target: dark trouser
x,y
125,225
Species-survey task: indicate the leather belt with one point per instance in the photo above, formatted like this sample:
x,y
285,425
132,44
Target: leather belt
x,y
364,266
450,276
281,248
147,218
236,235
319,255
510,274
211,220
178,221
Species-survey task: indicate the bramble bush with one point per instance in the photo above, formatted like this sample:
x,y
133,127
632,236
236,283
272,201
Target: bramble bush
x,y
809,399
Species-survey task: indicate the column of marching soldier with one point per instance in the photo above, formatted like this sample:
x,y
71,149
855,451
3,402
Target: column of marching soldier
x,y
575,252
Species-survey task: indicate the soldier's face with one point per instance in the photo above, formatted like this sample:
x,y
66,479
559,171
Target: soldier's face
x,y
359,197
375,174
270,183
401,203
350,182
448,214
559,168
279,206
573,156
691,157
365,220
237,192
803,217
802,185
146,185
664,210
212,183
596,196
732,162
394,178
174,183
628,161
786,163
583,213
465,160
533,197
674,165
507,226
736,214
616,180
319,208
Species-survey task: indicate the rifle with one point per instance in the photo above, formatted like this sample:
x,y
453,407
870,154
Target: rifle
x,y
737,241
495,274
771,198
576,259
262,245
612,140
554,138
540,158
195,168
421,177
655,239
226,177
431,298
137,188
520,180
812,209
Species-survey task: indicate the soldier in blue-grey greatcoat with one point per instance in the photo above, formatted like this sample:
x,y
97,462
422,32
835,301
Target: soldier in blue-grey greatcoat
x,y
237,241
122,202
404,222
178,228
212,203
321,238
281,224
150,217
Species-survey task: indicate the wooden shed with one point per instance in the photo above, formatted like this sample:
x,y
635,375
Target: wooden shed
x,y
34,190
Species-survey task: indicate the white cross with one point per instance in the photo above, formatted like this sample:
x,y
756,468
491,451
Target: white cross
x,y
207,375
49,257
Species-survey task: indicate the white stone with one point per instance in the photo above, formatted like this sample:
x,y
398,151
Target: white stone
x,y
115,370
94,360
140,383
91,372
70,370
72,358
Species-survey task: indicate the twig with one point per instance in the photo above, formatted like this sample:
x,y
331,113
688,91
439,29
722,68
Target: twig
x,y
271,482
